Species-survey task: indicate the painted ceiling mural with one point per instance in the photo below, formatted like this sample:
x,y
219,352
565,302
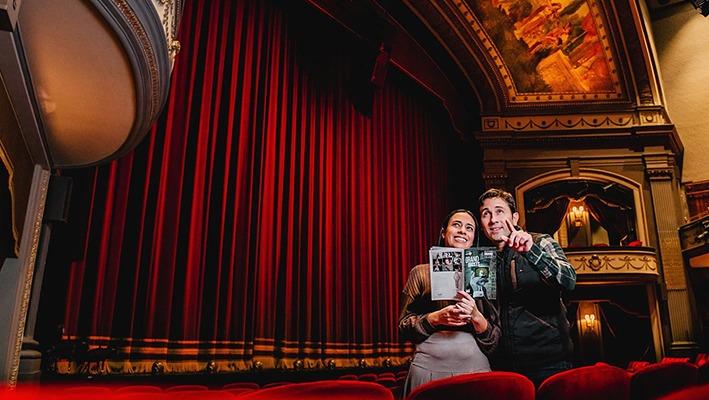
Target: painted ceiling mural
x,y
546,50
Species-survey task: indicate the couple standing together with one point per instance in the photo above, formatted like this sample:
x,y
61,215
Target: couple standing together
x,y
526,331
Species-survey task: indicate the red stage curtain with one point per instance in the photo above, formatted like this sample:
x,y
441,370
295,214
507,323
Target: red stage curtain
x,y
265,219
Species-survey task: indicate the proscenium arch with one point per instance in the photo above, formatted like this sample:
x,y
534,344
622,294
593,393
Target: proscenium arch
x,y
591,175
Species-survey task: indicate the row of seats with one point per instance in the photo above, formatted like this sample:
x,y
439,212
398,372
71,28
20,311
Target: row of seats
x,y
700,361
674,380
670,377
334,389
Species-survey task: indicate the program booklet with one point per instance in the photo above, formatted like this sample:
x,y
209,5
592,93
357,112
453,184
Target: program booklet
x,y
473,270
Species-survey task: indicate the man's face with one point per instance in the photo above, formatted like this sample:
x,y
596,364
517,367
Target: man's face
x,y
493,213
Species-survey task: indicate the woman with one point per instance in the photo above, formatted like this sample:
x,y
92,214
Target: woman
x,y
451,337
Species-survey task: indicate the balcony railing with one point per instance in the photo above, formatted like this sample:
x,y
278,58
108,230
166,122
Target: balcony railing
x,y
631,263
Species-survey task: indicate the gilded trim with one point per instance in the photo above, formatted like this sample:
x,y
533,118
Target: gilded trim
x,y
163,356
30,245
613,262
148,52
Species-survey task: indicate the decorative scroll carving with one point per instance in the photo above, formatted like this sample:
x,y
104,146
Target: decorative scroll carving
x,y
556,122
613,262
573,122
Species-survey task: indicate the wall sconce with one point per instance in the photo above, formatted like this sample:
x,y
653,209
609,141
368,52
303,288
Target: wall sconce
x,y
576,214
590,320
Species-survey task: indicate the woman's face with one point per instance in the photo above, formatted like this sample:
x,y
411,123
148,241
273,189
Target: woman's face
x,y
460,231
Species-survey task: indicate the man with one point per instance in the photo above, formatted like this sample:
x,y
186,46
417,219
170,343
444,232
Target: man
x,y
532,273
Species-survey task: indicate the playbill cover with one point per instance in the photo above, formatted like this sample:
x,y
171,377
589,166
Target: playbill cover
x,y
453,269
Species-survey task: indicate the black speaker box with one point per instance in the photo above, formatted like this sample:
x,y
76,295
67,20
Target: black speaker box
x,y
56,209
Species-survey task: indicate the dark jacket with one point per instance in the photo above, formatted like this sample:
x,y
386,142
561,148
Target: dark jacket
x,y
535,330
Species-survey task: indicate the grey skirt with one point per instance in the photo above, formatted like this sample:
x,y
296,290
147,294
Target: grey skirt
x,y
442,355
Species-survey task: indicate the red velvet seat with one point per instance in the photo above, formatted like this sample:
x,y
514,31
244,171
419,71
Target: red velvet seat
x,y
240,385
143,396
274,384
238,392
369,377
336,390
139,389
702,358
635,243
496,385
201,395
386,375
656,380
348,377
691,393
186,388
79,389
674,359
634,366
600,381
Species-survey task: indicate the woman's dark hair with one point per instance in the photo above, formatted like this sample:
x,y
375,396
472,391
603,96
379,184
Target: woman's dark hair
x,y
450,215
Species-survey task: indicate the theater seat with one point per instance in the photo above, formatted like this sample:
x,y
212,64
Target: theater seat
x,y
600,381
656,380
691,393
702,358
496,385
369,377
139,389
241,385
635,243
674,359
274,384
238,392
336,390
202,395
186,388
634,366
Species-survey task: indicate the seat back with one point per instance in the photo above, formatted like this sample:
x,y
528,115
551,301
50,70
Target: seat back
x,y
335,389
186,388
634,366
241,385
139,389
369,377
599,381
656,380
690,393
496,385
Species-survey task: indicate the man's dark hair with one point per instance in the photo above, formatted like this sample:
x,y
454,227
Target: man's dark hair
x,y
495,193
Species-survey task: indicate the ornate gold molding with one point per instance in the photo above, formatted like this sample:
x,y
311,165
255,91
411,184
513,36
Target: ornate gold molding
x,y
148,52
28,256
567,122
596,262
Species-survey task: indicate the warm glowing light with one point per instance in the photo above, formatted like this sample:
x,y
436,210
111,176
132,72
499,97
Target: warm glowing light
x,y
590,319
576,214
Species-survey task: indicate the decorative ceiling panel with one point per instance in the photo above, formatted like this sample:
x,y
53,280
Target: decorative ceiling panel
x,y
546,51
